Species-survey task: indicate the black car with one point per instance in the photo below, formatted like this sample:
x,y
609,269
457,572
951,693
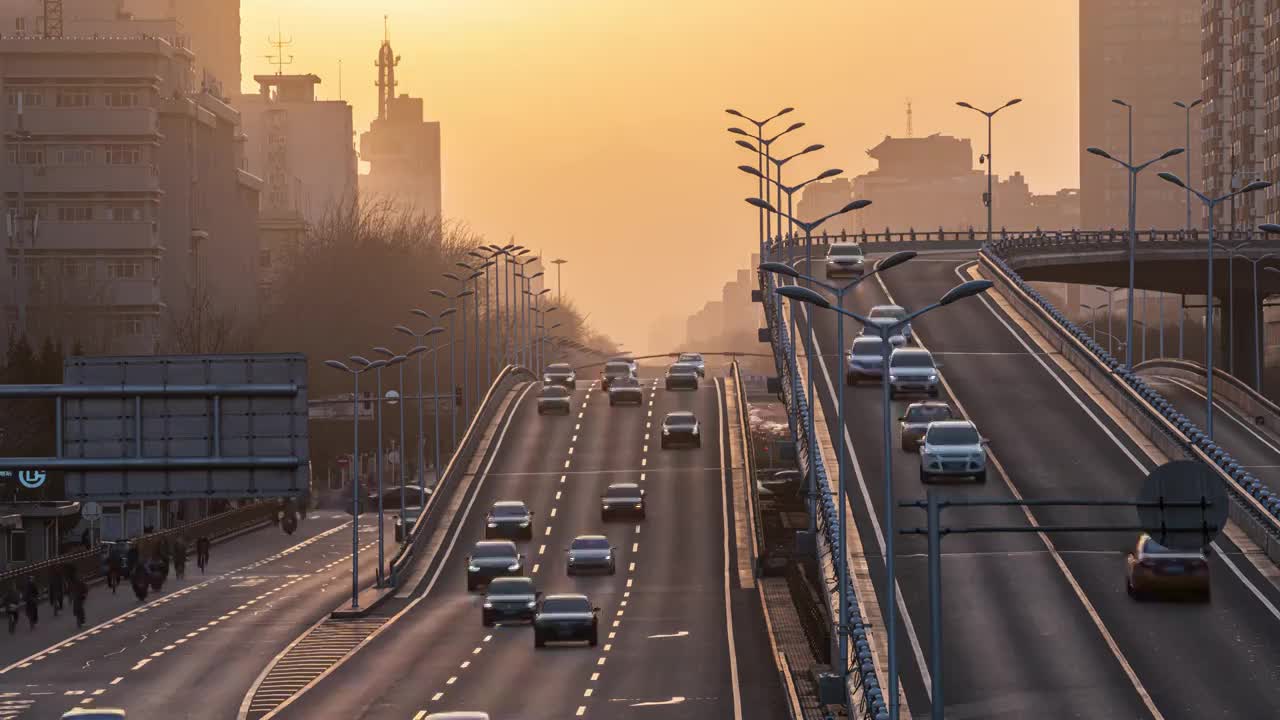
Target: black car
x,y
590,553
566,618
560,374
680,428
509,519
554,399
510,599
696,360
614,370
682,375
490,559
626,390
622,499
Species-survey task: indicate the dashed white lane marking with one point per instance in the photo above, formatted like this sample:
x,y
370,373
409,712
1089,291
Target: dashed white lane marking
x,y
548,531
582,710
566,464
452,679
536,567
595,675
542,549
553,512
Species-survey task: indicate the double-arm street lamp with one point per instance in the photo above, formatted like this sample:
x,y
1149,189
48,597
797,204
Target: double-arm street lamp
x,y
435,389
1211,204
989,199
1133,228
1187,109
886,331
463,291
394,360
435,377
1258,319
763,146
358,366
760,165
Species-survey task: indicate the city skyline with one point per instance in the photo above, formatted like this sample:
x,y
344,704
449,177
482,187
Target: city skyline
x,y
615,80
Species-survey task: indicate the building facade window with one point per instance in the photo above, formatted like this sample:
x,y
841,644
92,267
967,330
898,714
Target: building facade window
x,y
125,212
29,155
18,546
264,258
30,98
124,270
124,154
73,155
121,98
77,269
73,98
75,213
127,326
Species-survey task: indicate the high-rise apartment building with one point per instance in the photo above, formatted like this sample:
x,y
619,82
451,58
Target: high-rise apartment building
x,y
126,201
1240,142
1146,53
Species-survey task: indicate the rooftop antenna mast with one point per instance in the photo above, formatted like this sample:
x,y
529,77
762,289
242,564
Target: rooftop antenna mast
x,y
387,62
909,133
279,43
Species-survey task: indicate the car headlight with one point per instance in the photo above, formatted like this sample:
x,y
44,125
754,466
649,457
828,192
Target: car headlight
x,y
492,524
547,379
933,377
666,431
893,378
473,567
695,429
573,558
524,523
514,566
488,605
531,604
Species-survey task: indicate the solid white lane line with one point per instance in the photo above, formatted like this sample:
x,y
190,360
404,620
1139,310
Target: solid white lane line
x,y
724,515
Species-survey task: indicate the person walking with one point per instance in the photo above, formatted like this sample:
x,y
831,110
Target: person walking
x,y
79,592
10,603
202,552
56,588
115,569
180,557
32,594
139,580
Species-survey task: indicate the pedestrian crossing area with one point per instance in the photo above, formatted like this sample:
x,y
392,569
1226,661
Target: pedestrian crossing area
x,y
12,705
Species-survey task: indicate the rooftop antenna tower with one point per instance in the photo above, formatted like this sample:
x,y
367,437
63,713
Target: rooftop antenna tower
x,y
279,43
909,134
52,19
387,62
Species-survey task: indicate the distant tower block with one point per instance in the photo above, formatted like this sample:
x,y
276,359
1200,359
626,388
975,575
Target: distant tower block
x,y
387,62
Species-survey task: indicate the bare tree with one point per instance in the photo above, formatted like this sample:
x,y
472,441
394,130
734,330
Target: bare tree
x,y
201,327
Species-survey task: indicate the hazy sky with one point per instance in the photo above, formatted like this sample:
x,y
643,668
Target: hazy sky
x,y
594,129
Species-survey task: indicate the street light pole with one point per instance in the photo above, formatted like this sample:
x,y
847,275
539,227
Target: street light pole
x,y
400,400
363,365
1133,227
1211,203
558,262
989,115
760,166
418,338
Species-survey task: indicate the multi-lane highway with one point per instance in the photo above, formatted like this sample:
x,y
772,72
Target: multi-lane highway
x,y
192,650
1038,626
679,637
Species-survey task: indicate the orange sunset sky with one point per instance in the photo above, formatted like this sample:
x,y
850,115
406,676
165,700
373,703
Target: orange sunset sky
x,y
594,129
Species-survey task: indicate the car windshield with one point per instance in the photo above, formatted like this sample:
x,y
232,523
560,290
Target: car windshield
x,y
617,368
911,360
681,420
559,369
509,510
845,251
555,392
590,544
683,370
873,329
928,413
888,311
690,357
866,346
626,381
622,491
511,586
952,435
566,605
493,551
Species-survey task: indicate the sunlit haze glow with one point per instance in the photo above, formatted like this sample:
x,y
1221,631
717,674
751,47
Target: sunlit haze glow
x,y
595,131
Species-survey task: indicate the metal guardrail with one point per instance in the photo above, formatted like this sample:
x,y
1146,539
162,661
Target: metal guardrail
x,y
1245,396
865,681
749,467
1257,508
1013,247
88,563
508,377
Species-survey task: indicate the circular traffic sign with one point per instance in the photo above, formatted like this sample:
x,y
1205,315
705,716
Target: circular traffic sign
x,y
1183,505
91,511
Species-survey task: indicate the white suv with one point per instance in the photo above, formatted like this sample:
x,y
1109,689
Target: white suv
x,y
953,448
895,313
912,370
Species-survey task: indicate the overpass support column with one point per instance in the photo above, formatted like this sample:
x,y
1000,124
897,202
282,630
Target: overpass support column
x,y
1238,341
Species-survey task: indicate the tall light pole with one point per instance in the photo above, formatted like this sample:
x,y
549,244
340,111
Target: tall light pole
x,y
399,399
760,188
843,564
1133,226
355,370
808,336
764,144
473,276
990,198
435,380
1111,312
961,291
396,360
559,262
484,359
418,340
1187,108
1211,203
1232,251
1259,321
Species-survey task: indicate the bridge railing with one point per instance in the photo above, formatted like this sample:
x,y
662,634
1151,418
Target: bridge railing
x,y
458,462
1256,507
865,686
